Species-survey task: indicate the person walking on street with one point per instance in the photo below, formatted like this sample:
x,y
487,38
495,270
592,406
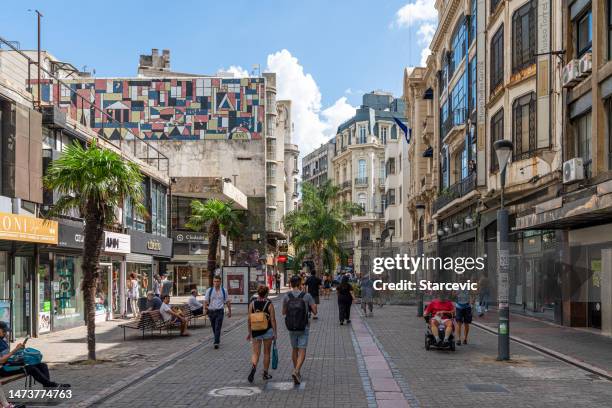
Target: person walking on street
x,y
262,330
345,300
463,314
313,284
157,285
215,301
367,295
277,282
296,304
133,289
483,295
327,284
166,286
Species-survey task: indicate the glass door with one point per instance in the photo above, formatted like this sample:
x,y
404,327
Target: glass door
x,y
594,286
20,290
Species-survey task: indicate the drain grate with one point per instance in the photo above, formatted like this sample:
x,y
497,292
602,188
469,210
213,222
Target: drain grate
x,y
486,388
234,392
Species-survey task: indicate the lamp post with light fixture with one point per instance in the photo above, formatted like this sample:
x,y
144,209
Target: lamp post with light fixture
x,y
420,210
503,150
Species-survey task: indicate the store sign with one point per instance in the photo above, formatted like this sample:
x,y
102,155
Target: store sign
x,y
154,245
150,244
70,236
187,237
116,243
28,229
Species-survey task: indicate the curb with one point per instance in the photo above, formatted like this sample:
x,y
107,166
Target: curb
x,y
552,353
119,386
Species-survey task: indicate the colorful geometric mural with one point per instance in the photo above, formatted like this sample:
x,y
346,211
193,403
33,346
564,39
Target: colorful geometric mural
x,y
165,109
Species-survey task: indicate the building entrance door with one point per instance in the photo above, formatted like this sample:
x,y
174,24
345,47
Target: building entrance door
x,y
21,295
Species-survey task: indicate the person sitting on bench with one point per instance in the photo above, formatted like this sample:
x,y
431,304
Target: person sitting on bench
x,y
173,317
40,371
195,306
153,302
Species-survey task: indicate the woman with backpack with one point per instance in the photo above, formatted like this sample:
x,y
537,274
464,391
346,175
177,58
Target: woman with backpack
x,y
345,300
262,330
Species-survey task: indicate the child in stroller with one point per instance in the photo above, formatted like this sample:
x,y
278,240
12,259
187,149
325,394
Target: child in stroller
x,y
439,315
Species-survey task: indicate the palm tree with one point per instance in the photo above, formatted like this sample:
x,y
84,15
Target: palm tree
x,y
220,217
316,226
95,181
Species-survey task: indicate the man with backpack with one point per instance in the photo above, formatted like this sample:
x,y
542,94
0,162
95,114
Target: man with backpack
x,y
215,301
296,305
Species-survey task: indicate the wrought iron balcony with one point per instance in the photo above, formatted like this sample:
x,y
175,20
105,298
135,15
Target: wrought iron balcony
x,y
361,181
455,191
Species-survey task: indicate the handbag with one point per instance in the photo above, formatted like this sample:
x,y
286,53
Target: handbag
x,y
274,356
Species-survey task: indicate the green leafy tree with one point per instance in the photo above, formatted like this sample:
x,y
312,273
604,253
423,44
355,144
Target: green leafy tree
x,y
316,226
220,217
95,181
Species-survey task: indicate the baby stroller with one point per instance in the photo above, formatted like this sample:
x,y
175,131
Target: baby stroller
x,y
430,340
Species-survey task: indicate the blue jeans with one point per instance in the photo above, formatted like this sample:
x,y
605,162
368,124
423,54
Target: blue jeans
x,y
216,321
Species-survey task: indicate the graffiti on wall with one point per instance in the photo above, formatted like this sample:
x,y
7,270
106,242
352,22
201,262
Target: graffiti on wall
x,y
164,109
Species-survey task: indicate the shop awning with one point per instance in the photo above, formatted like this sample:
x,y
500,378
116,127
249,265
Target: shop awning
x,y
428,152
428,94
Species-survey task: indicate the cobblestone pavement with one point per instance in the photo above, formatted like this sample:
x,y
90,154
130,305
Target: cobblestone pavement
x,y
444,379
580,344
331,377
376,361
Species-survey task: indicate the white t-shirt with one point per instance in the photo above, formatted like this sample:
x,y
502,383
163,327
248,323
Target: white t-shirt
x,y
165,312
216,298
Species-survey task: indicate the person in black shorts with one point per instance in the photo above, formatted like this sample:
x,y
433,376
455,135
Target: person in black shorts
x,y
313,284
463,314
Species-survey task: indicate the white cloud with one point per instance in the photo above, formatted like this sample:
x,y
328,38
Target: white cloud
x,y
348,91
415,12
423,14
236,70
313,126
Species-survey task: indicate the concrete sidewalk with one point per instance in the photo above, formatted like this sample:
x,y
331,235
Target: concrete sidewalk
x,y
581,346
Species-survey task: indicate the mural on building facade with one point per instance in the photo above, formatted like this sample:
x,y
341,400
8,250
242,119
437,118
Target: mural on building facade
x,y
164,109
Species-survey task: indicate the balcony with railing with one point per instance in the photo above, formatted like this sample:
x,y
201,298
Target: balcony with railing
x,y
361,181
455,120
455,191
345,184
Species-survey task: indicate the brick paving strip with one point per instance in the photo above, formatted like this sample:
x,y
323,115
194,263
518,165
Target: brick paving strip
x,y
379,376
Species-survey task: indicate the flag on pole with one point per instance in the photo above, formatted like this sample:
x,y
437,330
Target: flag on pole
x,y
407,132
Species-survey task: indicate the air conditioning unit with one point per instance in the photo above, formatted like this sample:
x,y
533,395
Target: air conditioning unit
x,y
586,64
573,170
571,73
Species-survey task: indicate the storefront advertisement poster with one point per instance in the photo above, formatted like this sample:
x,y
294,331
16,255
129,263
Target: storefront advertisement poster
x,y
235,280
5,311
44,322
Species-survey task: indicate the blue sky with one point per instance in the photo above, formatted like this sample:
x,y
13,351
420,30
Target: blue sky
x,y
339,45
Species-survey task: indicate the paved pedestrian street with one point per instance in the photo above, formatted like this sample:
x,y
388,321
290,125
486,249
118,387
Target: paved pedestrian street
x,y
377,361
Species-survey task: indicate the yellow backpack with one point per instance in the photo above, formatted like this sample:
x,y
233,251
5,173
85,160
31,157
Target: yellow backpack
x,y
259,319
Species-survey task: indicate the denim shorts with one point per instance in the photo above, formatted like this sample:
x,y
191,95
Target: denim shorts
x,y
299,339
266,336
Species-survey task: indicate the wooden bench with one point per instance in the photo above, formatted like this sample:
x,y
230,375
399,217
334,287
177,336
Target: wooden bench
x,y
152,320
192,319
16,377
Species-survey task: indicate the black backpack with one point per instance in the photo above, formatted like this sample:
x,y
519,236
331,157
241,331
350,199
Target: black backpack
x,y
296,318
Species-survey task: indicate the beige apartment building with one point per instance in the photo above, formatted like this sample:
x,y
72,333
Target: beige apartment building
x,y
538,73
360,168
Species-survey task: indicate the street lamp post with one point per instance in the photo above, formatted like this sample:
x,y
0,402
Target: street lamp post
x,y
420,209
503,149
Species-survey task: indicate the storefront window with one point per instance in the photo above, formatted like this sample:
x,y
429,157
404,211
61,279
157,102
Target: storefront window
x,y
188,277
144,275
67,298
158,210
